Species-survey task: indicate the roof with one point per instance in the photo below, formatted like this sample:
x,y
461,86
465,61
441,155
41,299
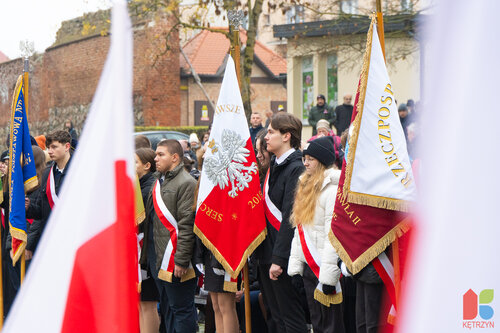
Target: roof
x,y
345,25
3,57
207,53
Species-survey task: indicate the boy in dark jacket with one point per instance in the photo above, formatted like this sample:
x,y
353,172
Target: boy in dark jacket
x,y
283,140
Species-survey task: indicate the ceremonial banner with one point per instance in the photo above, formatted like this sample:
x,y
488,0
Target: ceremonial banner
x,y
230,213
361,232
83,277
22,171
378,169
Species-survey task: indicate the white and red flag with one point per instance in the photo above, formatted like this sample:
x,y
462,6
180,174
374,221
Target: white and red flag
x,y
454,272
83,277
230,213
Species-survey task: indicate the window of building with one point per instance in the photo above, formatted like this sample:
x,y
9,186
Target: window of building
x,y
307,86
332,79
406,5
266,19
349,6
295,14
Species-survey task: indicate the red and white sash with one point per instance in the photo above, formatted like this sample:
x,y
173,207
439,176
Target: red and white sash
x,y
384,268
313,260
273,214
51,189
168,220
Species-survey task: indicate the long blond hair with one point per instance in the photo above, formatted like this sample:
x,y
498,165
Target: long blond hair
x,y
306,196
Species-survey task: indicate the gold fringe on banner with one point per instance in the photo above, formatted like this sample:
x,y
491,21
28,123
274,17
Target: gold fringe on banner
x,y
353,139
326,300
379,202
19,234
230,286
31,183
234,273
364,259
140,218
167,276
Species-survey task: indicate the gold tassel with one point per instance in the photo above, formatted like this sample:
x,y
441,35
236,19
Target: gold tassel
x,y
18,253
326,300
234,274
139,218
373,252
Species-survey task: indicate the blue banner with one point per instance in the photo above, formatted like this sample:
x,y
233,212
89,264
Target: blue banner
x,y
22,171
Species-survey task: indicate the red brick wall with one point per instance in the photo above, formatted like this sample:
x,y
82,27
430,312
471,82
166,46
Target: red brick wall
x,y
63,81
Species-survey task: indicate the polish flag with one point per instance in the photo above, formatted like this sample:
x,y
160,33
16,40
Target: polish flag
x,y
83,277
454,273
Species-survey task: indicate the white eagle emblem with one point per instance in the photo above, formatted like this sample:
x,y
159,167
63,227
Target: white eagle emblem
x,y
226,165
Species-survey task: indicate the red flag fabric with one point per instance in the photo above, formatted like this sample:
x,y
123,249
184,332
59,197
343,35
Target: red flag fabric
x,y
83,277
230,213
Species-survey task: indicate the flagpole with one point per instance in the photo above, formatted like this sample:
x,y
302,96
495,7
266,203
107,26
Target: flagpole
x,y
235,18
395,244
380,26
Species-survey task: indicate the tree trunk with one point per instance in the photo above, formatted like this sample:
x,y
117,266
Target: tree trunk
x,y
247,58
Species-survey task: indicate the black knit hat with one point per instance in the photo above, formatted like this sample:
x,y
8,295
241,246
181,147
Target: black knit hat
x,y
4,156
322,149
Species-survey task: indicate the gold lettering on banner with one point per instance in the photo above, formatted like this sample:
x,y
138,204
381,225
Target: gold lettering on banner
x,y
345,205
212,213
229,108
386,145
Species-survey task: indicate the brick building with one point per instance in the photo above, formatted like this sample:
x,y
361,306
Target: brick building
x,y
64,78
207,51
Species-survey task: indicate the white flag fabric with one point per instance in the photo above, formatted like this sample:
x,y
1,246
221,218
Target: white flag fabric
x,y
378,170
230,212
83,277
455,273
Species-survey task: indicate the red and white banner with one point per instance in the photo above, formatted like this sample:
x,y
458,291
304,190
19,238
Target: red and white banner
x,y
378,170
360,232
230,212
83,277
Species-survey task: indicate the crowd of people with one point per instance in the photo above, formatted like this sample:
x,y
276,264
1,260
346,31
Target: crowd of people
x,y
300,178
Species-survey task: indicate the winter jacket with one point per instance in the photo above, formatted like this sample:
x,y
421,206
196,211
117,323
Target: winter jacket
x,y
321,112
344,115
39,208
177,192
282,182
146,182
318,233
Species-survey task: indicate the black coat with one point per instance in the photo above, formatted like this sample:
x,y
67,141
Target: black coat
x,y
282,183
344,115
147,181
39,208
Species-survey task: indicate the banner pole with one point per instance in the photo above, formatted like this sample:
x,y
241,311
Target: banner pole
x,y
235,18
395,244
380,26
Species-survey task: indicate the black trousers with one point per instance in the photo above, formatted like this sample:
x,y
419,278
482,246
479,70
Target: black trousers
x,y
284,302
371,310
324,319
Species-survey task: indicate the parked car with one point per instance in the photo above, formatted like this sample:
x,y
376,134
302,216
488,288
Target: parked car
x,y
156,136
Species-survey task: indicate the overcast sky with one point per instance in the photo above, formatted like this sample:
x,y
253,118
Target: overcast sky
x,y
38,21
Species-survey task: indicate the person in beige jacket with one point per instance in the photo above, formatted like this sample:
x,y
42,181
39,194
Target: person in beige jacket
x,y
312,256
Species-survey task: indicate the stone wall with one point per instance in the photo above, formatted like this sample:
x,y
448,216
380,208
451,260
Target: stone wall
x,y
63,80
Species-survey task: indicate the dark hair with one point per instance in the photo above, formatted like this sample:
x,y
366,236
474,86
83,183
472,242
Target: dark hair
x,y
59,136
147,155
173,147
287,123
142,141
39,157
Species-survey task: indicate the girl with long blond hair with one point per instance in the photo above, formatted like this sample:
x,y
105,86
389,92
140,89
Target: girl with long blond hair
x,y
312,256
